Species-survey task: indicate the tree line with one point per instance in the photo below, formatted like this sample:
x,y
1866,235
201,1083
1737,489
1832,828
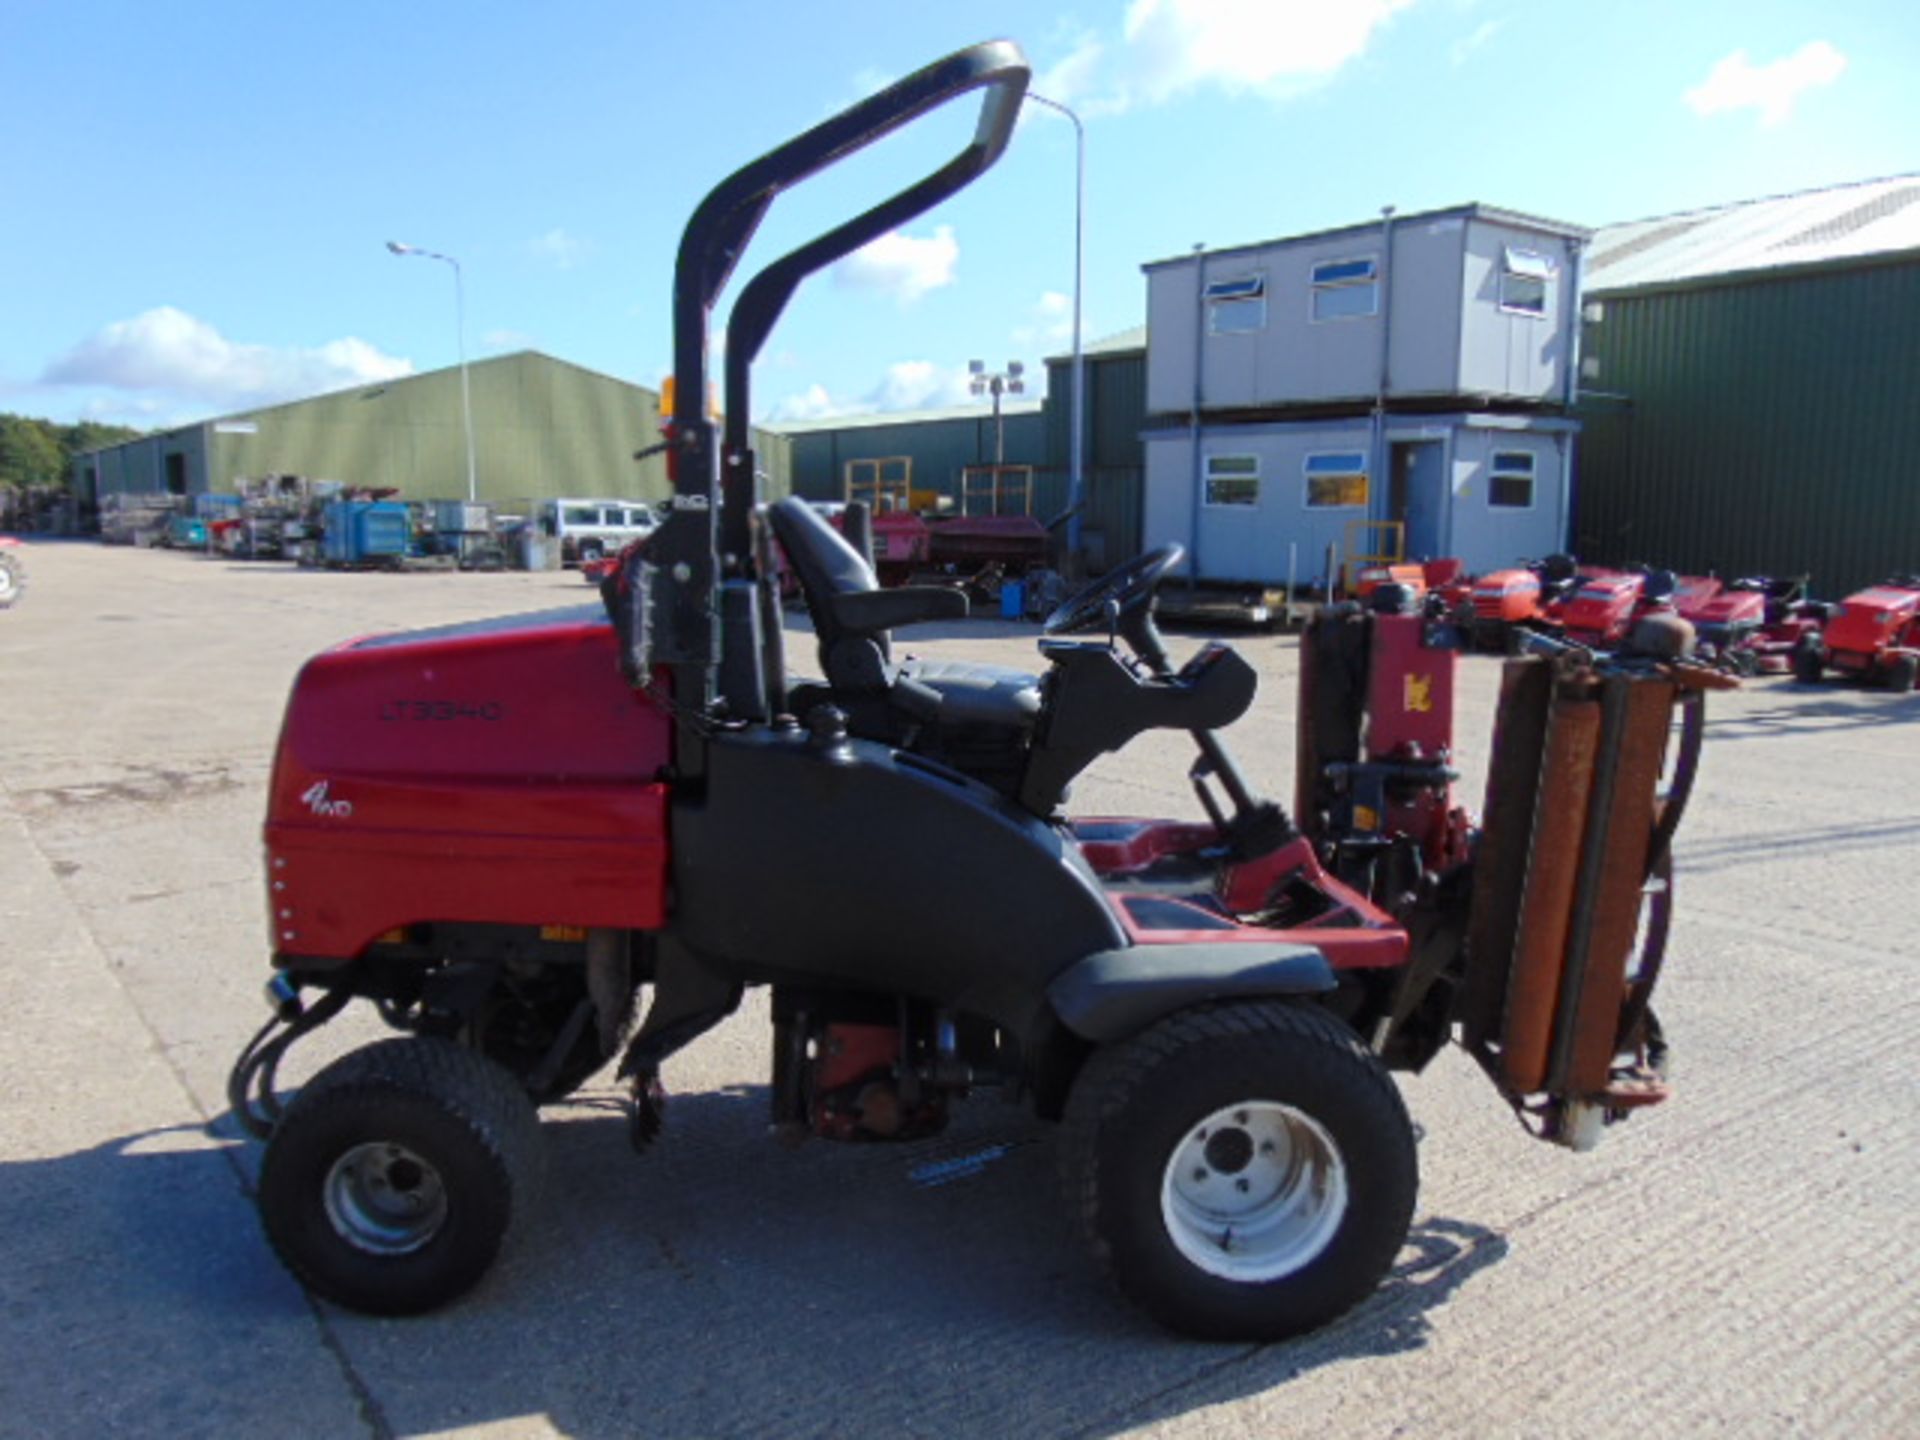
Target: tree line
x,y
38,454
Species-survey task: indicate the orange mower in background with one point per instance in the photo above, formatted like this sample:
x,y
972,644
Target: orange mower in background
x,y
1522,597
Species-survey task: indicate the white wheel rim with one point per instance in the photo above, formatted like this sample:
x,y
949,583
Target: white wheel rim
x,y
1254,1191
385,1199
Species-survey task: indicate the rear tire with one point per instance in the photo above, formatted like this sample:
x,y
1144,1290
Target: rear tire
x,y
1808,662
1902,672
1265,1124
399,1173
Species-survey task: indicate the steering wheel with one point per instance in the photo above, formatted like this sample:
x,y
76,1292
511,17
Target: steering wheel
x,y
1130,586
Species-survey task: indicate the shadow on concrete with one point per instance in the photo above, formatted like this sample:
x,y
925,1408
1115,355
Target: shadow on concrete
x,y
1817,710
716,1284
1734,852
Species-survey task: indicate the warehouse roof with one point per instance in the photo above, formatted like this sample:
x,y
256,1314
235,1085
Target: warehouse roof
x,y
368,387
978,410
1841,222
1118,343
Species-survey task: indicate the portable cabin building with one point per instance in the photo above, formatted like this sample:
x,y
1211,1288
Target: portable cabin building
x,y
1416,371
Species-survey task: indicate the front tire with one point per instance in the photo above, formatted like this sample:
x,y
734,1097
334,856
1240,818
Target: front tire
x,y
1808,661
1246,1172
399,1173
1901,674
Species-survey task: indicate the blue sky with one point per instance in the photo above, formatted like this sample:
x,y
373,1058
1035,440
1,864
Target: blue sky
x,y
198,194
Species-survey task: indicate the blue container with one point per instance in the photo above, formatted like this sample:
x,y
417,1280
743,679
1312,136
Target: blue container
x,y
187,532
358,531
1013,600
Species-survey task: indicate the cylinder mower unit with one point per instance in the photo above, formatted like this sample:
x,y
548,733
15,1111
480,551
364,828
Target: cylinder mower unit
x,y
1523,929
553,843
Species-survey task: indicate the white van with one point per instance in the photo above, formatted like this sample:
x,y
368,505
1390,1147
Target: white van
x,y
589,529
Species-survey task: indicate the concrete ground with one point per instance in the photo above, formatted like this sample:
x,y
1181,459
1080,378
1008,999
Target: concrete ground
x,y
1744,1261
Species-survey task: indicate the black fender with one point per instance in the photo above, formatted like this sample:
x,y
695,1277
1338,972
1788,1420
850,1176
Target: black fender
x,y
1112,994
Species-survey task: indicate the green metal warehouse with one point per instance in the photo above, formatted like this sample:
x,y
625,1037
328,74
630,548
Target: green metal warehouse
x,y
1749,382
542,427
941,442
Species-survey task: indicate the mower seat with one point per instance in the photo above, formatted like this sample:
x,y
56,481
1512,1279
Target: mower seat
x,y
852,616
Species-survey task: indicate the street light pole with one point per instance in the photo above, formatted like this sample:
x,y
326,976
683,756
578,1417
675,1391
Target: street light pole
x,y
460,322
1076,452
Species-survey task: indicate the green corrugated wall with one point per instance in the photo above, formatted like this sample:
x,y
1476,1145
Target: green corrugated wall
x,y
542,427
939,449
1115,457
1767,425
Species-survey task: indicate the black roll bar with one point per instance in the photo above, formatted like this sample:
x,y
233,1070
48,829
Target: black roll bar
x,y
711,519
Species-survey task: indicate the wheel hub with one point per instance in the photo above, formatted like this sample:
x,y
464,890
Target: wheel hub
x,y
385,1199
1254,1192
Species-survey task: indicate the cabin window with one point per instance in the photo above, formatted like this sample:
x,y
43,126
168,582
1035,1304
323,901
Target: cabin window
x,y
1337,481
1237,306
1233,480
1523,282
1512,486
1346,289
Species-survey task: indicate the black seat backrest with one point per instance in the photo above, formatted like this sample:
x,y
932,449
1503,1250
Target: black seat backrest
x,y
828,567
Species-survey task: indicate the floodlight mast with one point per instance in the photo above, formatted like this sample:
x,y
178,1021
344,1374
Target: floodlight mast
x,y
997,383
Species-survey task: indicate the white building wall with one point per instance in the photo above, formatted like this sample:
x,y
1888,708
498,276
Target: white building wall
x,y
1449,334
1249,543
1486,536
1503,352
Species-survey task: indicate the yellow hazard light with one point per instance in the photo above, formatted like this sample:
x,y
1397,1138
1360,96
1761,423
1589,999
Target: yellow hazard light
x,y
564,934
393,937
669,391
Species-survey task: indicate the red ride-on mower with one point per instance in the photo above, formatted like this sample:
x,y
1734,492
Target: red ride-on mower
x,y
1525,598
512,838
1601,612
1874,635
1753,625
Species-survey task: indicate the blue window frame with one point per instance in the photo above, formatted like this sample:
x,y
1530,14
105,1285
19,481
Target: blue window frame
x,y
1346,289
1237,306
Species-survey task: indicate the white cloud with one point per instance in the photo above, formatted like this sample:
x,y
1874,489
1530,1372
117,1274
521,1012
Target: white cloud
x,y
902,266
1736,83
559,249
169,352
1271,48
906,385
1049,323
1462,49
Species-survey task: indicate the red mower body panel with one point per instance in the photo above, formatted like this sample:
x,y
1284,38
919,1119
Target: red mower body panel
x,y
501,772
1507,597
1870,624
1601,610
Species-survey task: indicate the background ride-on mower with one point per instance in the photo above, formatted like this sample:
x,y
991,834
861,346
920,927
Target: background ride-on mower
x,y
1873,635
1526,597
513,837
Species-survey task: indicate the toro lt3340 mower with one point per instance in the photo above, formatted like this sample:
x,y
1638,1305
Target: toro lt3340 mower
x,y
505,835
